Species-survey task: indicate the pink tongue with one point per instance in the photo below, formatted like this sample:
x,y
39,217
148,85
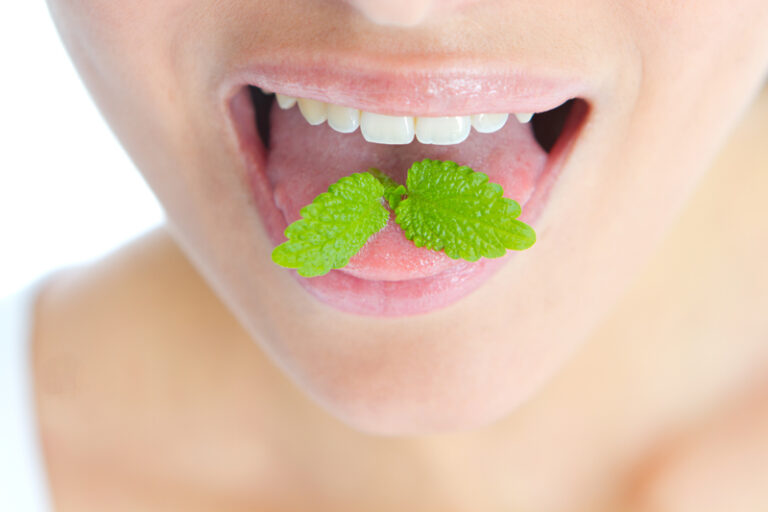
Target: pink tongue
x,y
303,160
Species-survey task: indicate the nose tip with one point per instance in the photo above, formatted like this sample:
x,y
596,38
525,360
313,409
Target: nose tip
x,y
403,13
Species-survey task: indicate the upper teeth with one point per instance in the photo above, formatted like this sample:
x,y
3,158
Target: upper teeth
x,y
285,101
315,112
387,129
443,130
383,129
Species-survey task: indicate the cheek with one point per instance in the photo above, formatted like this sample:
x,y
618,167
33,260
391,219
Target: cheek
x,y
136,59
681,35
129,31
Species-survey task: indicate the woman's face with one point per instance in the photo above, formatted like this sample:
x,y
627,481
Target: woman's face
x,y
403,341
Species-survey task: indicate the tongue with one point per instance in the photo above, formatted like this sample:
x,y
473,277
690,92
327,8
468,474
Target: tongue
x,y
304,160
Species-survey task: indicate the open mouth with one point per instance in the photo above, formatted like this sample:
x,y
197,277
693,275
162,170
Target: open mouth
x,y
295,146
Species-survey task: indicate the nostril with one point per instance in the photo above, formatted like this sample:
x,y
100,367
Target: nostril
x,y
402,13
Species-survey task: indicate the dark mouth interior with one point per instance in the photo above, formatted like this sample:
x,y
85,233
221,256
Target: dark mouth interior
x,y
547,126
262,105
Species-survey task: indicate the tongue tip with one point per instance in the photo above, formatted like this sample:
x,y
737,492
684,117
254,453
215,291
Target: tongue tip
x,y
390,256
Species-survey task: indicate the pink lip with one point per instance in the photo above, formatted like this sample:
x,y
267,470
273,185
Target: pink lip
x,y
416,88
468,93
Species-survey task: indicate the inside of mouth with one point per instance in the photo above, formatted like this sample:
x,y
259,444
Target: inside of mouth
x,y
297,161
547,127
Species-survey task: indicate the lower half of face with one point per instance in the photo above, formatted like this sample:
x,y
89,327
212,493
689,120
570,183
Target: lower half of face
x,y
630,100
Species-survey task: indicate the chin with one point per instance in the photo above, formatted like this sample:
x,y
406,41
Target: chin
x,y
416,387
419,410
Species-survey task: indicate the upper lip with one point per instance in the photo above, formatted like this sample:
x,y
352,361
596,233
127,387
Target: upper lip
x,y
435,88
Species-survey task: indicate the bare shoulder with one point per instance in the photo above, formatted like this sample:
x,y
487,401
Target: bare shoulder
x,y
127,353
712,269
144,289
142,266
717,467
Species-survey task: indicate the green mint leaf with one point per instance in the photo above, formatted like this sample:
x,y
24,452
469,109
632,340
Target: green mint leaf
x,y
334,226
454,208
394,196
393,191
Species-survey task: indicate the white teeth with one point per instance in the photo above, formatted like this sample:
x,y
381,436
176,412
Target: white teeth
x,y
284,101
386,129
489,123
265,91
315,112
523,118
343,119
383,129
443,130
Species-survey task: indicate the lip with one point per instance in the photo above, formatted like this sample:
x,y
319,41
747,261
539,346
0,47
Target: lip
x,y
440,93
434,88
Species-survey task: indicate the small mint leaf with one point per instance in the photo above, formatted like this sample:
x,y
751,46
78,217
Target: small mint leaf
x,y
454,208
393,191
394,196
334,226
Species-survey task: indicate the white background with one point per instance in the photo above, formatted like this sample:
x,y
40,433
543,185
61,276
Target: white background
x,y
68,192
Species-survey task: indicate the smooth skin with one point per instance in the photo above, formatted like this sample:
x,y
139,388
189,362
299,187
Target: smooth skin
x,y
165,403
628,378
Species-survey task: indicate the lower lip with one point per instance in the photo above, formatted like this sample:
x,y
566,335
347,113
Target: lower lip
x,y
405,297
